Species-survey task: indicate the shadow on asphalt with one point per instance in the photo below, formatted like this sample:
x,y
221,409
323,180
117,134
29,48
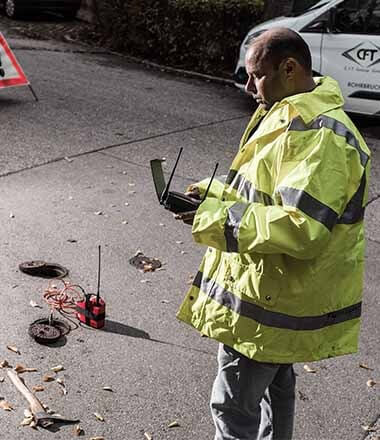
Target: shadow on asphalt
x,y
126,330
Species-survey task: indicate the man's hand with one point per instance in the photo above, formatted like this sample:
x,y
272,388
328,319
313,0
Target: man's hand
x,y
193,192
186,217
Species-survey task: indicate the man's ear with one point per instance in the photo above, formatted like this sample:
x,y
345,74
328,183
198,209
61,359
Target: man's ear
x,y
289,67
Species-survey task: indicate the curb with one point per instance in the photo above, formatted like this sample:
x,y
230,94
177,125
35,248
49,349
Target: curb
x,y
182,72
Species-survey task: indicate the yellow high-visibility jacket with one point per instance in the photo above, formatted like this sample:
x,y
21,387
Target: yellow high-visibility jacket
x,y
282,278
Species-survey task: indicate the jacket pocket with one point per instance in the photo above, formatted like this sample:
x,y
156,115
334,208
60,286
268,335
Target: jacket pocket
x,y
257,282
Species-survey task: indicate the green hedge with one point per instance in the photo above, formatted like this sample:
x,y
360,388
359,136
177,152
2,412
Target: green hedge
x,y
202,35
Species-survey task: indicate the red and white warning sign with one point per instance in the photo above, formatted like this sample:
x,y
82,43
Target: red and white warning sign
x,y
11,73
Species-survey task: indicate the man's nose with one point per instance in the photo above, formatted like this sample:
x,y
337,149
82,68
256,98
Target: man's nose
x,y
250,86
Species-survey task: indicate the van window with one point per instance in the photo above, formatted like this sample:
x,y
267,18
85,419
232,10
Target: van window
x,y
358,17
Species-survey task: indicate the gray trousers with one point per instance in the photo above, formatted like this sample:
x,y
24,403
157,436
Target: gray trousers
x,y
252,400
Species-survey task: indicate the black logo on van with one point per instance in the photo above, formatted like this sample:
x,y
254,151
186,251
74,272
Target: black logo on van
x,y
365,54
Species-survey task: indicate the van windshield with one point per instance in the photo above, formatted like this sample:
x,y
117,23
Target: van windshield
x,y
297,12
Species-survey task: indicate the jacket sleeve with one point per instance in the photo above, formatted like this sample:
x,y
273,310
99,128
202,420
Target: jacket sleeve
x,y
309,197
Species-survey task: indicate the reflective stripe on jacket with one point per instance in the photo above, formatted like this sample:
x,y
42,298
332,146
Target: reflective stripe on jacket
x,y
282,278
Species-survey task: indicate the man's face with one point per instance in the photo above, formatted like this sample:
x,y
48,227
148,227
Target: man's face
x,y
265,84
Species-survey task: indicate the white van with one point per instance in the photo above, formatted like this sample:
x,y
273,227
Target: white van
x,y
344,39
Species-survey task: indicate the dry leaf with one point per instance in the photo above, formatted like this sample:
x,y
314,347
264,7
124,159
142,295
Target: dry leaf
x,y
124,222
148,436
309,369
98,212
97,438
371,383
368,428
173,424
131,184
48,378
57,368
366,367
144,281
27,413
67,159
2,379
38,388
13,348
179,242
21,369
78,431
99,417
62,385
148,268
34,304
11,215
4,364
27,421
108,389
5,405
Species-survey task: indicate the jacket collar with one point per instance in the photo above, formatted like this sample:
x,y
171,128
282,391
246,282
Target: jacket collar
x,y
326,96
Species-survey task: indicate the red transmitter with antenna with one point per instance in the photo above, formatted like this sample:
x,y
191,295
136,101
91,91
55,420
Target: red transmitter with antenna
x,y
92,310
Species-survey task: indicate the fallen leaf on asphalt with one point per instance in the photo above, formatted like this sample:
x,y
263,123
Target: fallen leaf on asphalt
x,y
21,369
148,436
27,421
11,215
302,396
2,379
148,268
13,348
173,424
162,224
78,431
38,388
179,242
34,304
98,212
27,413
371,383
72,240
131,184
108,389
131,192
368,428
58,368
48,378
309,369
144,281
97,438
4,364
124,222
67,159
5,405
183,252
165,301
99,417
366,367
62,385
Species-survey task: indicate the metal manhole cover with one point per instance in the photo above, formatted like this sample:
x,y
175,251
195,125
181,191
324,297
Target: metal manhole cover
x,y
45,331
146,264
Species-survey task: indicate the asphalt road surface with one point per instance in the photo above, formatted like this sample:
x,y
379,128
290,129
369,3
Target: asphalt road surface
x,y
74,174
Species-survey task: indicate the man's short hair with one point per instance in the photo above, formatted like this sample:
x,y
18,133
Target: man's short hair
x,y
285,44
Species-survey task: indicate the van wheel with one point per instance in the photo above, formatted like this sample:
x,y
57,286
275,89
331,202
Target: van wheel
x,y
11,9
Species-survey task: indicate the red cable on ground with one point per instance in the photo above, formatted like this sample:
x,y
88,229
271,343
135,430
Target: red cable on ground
x,y
64,298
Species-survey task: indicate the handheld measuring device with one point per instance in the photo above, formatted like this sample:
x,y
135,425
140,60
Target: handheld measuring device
x,y
172,200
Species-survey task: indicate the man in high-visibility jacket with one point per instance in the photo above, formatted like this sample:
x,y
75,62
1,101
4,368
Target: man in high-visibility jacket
x,y
281,281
